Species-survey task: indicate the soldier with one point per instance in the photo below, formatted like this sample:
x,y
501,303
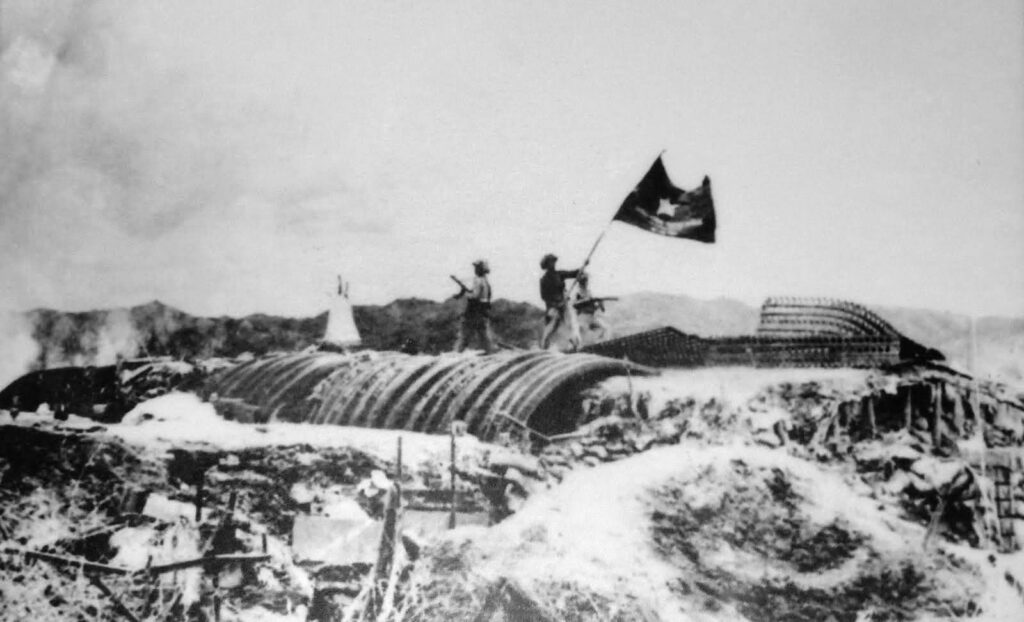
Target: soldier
x,y
476,320
552,292
588,312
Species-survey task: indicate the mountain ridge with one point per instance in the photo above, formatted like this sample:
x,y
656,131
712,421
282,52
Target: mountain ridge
x,y
421,325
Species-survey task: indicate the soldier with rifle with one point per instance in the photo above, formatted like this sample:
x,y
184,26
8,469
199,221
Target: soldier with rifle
x,y
476,319
588,311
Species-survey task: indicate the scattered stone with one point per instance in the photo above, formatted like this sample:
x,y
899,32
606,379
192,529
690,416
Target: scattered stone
x,y
597,451
302,494
617,448
554,459
644,441
513,475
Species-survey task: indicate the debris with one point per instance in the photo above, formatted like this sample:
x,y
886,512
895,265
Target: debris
x,y
335,541
161,507
507,460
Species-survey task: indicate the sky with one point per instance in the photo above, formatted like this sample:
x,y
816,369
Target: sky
x,y
232,157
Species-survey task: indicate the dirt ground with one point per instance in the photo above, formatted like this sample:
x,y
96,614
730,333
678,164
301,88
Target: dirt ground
x,y
698,512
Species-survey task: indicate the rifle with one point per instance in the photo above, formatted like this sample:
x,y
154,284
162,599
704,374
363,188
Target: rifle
x,y
599,302
463,290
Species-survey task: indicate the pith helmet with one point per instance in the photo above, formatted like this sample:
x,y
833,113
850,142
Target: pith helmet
x,y
548,261
482,264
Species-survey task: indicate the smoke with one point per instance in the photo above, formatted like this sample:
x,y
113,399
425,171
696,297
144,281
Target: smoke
x,y
145,138
116,339
18,349
84,130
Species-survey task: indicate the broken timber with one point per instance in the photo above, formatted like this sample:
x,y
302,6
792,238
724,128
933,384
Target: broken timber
x,y
63,560
207,561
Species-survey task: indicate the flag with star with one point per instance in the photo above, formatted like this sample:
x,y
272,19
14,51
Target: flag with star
x,y
656,205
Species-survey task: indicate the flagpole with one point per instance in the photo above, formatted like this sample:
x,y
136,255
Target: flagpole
x,y
586,262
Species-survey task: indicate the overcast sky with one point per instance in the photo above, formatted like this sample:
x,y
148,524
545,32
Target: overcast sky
x,y
233,156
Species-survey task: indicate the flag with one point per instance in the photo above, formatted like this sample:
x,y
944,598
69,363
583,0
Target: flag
x,y
657,206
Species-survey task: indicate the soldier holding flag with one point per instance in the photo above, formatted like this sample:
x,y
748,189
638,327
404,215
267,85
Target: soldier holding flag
x,y
552,292
655,205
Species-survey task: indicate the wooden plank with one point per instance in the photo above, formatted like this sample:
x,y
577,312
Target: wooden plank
x,y
119,606
63,560
207,561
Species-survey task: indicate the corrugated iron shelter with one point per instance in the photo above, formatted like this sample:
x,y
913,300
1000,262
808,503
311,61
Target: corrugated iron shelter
x,y
532,389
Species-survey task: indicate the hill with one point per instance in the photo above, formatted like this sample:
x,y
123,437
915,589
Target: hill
x,y
156,329
718,317
412,324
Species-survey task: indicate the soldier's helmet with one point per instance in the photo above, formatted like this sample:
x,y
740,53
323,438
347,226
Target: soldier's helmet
x,y
481,265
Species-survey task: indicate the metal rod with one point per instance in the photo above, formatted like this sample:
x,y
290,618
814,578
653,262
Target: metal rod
x,y
526,427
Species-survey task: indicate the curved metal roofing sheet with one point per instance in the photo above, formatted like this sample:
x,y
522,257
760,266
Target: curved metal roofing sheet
x,y
393,390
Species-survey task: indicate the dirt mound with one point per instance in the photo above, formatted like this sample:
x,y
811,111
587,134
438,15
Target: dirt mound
x,y
704,533
744,540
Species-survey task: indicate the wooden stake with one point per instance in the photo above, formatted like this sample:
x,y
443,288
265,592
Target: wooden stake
x,y
451,517
385,556
908,407
216,596
199,497
869,414
958,414
398,476
933,524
